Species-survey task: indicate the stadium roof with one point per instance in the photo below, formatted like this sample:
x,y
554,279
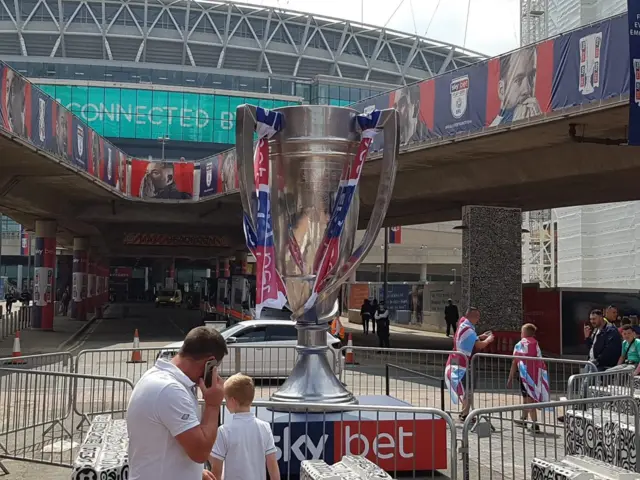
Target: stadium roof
x,y
225,35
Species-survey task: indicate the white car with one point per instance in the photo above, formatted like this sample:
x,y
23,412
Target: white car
x,y
263,349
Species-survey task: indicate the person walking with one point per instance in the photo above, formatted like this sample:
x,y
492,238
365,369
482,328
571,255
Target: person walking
x,y
167,438
465,341
365,314
451,316
66,299
9,298
374,310
382,319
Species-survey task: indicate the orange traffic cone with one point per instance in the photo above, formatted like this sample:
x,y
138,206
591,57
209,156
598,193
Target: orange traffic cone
x,y
349,358
17,353
136,355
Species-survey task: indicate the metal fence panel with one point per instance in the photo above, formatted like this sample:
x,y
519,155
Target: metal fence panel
x,y
46,414
268,364
45,362
488,375
497,443
407,442
413,376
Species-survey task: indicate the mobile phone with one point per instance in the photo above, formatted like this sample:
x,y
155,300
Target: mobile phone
x,y
209,368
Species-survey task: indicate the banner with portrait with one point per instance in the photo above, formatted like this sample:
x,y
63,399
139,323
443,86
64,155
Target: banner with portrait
x,y
121,171
15,102
415,105
62,132
210,176
228,171
162,180
519,84
95,159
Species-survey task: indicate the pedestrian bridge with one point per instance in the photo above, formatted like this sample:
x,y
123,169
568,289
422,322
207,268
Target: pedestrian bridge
x,y
525,130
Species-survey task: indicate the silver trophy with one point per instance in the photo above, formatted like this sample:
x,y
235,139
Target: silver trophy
x,y
307,158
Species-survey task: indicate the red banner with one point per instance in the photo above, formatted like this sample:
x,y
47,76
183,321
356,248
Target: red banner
x,y
161,180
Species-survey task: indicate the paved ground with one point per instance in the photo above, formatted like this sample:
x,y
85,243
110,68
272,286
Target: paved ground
x,y
413,377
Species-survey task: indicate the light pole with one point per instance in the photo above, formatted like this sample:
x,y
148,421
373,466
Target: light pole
x,y
163,140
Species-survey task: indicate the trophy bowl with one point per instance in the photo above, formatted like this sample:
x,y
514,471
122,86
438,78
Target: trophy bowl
x,y
299,193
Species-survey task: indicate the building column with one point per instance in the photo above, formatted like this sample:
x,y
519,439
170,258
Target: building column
x,y
492,266
99,291
226,268
241,261
423,272
79,279
44,275
170,279
91,285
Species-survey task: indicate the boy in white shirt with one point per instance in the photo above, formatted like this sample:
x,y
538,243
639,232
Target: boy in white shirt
x,y
246,442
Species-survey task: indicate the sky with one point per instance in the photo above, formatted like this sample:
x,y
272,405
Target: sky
x,y
493,24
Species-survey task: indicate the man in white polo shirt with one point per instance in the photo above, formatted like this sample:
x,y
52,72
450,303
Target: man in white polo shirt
x,y
167,440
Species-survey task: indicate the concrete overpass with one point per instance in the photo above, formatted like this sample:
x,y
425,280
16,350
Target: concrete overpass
x,y
531,165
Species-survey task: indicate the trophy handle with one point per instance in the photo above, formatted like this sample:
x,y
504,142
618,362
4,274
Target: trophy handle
x,y
389,119
245,126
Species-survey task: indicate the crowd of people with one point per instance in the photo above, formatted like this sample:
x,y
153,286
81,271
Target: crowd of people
x,y
377,314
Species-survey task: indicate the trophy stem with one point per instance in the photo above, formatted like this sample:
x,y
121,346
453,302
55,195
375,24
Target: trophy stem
x,y
313,380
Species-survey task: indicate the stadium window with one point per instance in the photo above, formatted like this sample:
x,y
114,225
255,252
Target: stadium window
x,y
344,93
261,85
354,94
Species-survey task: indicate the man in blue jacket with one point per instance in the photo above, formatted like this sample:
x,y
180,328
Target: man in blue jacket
x,y
603,340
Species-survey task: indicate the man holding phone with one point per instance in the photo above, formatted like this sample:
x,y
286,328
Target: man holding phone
x,y
167,438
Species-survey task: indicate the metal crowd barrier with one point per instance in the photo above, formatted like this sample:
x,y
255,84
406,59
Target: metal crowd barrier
x,y
46,362
496,443
618,381
488,375
418,376
268,364
407,442
18,319
45,415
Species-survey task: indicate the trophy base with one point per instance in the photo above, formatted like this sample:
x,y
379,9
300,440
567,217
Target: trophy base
x,y
312,381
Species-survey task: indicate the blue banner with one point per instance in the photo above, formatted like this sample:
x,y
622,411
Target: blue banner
x,y
461,100
633,16
210,176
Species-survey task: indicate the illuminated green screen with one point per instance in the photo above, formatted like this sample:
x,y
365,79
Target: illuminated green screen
x,y
149,114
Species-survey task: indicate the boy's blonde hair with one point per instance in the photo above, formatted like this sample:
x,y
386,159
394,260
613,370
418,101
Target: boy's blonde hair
x,y
241,388
529,329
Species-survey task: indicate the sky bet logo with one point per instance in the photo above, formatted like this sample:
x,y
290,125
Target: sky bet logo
x,y
403,445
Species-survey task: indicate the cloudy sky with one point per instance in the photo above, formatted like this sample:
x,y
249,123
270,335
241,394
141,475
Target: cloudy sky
x,y
493,24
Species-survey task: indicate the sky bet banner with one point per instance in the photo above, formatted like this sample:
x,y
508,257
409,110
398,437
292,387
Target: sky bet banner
x,y
634,65
219,174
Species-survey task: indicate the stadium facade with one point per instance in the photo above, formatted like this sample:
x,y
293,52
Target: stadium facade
x,y
162,78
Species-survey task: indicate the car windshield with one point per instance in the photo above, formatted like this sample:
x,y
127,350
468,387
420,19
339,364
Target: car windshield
x,y
165,293
231,331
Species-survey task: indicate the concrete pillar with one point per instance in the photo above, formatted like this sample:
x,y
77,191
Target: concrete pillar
x,y
492,266
79,279
241,261
423,272
98,301
226,267
44,275
91,284
170,279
